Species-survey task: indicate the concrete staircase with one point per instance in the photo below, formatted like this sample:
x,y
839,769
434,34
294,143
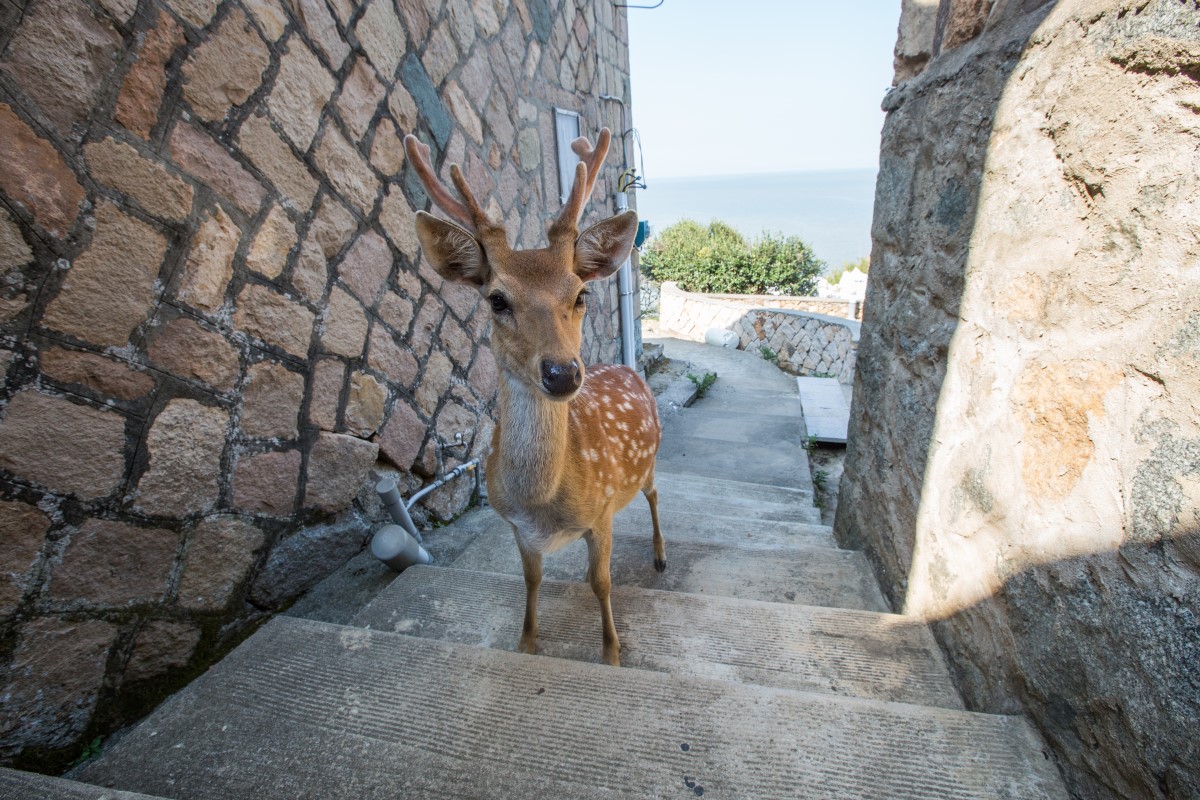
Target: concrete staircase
x,y
762,664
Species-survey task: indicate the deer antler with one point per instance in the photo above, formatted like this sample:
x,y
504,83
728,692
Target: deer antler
x,y
586,172
471,215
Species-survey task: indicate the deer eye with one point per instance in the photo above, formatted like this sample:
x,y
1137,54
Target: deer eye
x,y
499,304
581,300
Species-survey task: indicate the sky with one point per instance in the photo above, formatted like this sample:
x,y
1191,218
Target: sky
x,y
730,87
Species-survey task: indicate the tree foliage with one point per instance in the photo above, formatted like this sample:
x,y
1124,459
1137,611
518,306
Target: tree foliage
x,y
718,259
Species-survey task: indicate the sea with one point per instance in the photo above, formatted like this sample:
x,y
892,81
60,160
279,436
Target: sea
x,y
829,210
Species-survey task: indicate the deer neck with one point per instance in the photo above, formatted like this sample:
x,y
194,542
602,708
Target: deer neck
x,y
533,433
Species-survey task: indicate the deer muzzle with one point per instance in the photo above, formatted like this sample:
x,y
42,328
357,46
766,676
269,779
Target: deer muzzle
x,y
561,379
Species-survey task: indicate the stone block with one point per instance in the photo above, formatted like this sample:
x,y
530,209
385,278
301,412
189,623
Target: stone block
x,y
60,56
271,18
487,23
54,679
332,226
271,155
275,319
401,438
399,222
327,379
484,375
360,97
142,90
461,108
310,275
89,463
338,468
396,311
184,446
441,54
345,10
274,241
219,556
476,77
345,325
225,69
197,12
364,404
308,555
15,255
271,402
22,533
121,9
365,268
416,18
347,171
462,23
161,646
387,148
457,342
388,357
207,160
428,103
33,174
109,289
302,89
101,374
113,564
209,266
435,382
403,108
318,23
426,324
187,350
267,483
529,149
157,191
381,35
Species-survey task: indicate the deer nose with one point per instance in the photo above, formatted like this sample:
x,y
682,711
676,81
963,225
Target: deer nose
x,y
561,379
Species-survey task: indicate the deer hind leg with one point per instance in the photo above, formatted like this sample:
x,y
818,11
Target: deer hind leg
x,y
531,563
599,542
660,544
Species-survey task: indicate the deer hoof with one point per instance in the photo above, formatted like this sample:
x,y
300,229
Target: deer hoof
x,y
660,564
528,645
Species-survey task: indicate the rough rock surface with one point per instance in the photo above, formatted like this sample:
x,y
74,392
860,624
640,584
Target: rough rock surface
x,y
1024,459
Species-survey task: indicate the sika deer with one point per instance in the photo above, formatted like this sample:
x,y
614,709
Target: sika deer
x,y
572,446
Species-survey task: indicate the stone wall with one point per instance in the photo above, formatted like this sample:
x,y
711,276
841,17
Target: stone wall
x,y
804,342
215,324
1024,456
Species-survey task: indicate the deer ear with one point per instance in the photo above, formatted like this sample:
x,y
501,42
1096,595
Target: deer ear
x,y
454,253
602,248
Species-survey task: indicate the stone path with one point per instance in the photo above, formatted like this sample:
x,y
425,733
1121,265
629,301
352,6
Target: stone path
x,y
763,663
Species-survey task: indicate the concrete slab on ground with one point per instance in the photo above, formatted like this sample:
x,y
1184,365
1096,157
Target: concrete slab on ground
x,y
849,653
310,709
826,412
747,371
815,576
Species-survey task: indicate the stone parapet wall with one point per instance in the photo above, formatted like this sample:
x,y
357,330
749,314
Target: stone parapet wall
x,y
1023,465
215,323
802,342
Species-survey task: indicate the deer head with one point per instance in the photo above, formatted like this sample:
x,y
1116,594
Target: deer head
x,y
536,296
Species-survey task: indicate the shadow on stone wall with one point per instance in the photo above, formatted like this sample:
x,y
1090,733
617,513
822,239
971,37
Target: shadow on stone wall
x,y
1118,697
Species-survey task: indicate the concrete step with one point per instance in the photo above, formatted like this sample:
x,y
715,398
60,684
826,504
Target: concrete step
x,y
850,653
785,465
814,576
15,785
729,490
695,523
826,412
309,709
724,396
734,508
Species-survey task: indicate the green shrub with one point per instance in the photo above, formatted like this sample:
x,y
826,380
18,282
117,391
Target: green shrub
x,y
718,259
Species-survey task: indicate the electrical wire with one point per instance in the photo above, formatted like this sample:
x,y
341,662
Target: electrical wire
x,y
627,5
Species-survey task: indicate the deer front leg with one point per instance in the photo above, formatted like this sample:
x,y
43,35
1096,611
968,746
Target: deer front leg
x,y
531,563
599,542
